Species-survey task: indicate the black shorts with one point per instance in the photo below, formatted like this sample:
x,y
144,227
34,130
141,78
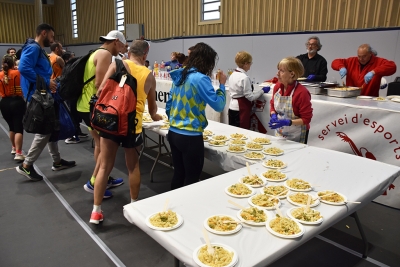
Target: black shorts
x,y
85,116
124,141
13,110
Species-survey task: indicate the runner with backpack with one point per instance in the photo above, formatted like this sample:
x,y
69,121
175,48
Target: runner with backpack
x,y
123,92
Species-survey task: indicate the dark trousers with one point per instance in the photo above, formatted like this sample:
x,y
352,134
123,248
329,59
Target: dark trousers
x,y
75,116
188,158
13,110
234,118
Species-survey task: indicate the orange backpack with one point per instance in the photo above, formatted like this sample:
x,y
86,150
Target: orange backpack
x,y
115,110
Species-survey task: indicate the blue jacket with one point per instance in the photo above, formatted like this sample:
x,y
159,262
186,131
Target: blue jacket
x,y
186,105
174,64
34,60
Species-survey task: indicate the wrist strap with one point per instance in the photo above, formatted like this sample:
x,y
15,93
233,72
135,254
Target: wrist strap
x,y
290,124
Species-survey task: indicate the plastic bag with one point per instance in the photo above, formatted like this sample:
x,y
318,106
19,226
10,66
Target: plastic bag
x,y
67,126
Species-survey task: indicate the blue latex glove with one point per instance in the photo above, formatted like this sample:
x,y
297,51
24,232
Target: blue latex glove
x,y
279,124
266,89
342,72
311,77
274,118
368,77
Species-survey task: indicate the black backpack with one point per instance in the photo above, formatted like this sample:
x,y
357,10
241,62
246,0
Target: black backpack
x,y
71,80
41,114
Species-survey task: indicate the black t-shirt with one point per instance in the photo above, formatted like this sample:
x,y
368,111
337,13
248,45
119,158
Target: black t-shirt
x,y
316,65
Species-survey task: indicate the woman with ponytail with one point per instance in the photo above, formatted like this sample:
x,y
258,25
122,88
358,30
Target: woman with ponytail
x,y
12,104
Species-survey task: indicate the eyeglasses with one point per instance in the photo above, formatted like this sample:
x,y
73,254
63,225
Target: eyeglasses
x,y
310,44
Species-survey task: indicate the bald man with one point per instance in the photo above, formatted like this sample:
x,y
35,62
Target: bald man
x,y
366,70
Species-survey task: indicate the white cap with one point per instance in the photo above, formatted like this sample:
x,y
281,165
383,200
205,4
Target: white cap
x,y
112,35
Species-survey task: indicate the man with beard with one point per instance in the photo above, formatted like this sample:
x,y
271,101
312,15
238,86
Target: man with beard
x,y
35,61
315,65
57,63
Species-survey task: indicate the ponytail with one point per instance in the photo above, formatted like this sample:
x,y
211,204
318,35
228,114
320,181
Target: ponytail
x,y
8,63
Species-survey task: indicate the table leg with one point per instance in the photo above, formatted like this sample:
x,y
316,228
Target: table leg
x,y
362,233
176,262
158,156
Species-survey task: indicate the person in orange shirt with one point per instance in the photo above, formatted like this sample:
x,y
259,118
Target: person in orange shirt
x,y
57,63
12,104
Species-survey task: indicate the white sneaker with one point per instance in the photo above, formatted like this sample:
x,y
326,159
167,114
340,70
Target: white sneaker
x,y
13,150
19,157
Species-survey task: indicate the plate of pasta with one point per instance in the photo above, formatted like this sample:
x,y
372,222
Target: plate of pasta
x,y
217,143
284,227
274,164
220,137
223,256
253,216
263,201
254,146
273,151
279,191
238,142
236,149
239,136
332,197
274,176
254,155
298,185
164,221
222,224
262,140
239,190
300,199
305,216
208,133
206,138
253,181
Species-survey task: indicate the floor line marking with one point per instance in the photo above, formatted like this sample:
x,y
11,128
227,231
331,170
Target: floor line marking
x,y
79,220
355,253
2,170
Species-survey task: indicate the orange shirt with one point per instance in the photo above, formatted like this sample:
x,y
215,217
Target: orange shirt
x,y
55,66
13,88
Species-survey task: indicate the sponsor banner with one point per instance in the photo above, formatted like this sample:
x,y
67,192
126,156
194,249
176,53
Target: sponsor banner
x,y
364,132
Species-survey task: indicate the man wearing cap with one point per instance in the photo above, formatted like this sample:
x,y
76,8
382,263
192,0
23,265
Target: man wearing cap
x,y
97,66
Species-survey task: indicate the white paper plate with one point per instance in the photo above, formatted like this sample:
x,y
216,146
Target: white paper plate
x,y
333,203
285,236
254,158
180,221
271,154
316,201
261,207
289,214
147,121
216,145
237,229
302,78
226,138
236,151
252,222
283,196
235,257
272,180
393,96
364,97
265,165
254,149
208,133
396,99
242,138
298,190
240,196
236,144
380,100
255,186
263,143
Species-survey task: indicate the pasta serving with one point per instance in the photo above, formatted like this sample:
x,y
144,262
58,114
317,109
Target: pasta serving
x,y
208,132
304,214
254,155
264,201
217,142
237,135
284,226
331,196
165,219
239,189
254,214
274,175
236,148
238,142
221,256
273,151
220,137
261,140
275,190
254,146
296,183
301,198
221,223
275,163
252,180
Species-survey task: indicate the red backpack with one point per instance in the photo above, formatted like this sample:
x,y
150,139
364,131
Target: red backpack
x,y
115,110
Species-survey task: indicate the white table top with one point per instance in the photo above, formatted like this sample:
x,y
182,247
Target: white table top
x,y
359,179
